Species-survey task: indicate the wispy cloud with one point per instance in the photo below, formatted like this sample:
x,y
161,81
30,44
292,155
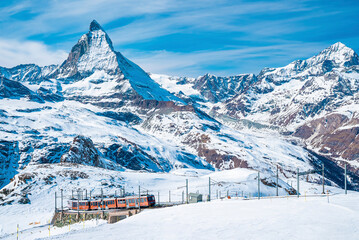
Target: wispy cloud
x,y
238,36
227,62
14,52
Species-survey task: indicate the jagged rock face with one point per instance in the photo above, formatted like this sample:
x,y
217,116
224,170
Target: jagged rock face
x,y
218,89
132,157
82,151
334,135
30,73
9,161
14,89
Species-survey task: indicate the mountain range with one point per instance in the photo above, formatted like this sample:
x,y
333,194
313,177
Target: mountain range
x,y
100,109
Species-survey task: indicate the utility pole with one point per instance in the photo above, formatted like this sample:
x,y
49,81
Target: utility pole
x,y
62,201
139,198
182,197
169,195
345,178
78,203
323,178
158,198
277,183
72,194
86,193
55,202
209,189
186,191
259,188
101,198
298,182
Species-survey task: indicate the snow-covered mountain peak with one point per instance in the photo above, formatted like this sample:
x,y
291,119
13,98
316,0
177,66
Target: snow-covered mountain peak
x,y
94,55
336,56
338,46
99,54
95,26
338,53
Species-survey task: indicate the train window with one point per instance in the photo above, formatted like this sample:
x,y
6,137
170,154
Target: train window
x,y
145,199
74,204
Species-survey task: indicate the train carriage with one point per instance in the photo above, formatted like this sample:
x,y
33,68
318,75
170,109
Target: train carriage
x,y
82,205
113,203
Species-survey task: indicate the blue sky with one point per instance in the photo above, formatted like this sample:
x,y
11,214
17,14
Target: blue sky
x,y
182,38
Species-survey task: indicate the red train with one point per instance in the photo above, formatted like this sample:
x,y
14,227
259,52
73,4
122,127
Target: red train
x,y
113,203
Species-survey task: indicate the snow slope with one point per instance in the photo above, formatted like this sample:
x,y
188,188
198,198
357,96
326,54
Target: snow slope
x,y
37,184
303,218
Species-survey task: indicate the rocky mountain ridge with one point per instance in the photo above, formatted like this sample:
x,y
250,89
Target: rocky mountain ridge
x,y
314,100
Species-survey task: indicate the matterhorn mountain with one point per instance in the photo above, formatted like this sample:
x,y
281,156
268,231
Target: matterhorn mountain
x,y
100,110
94,59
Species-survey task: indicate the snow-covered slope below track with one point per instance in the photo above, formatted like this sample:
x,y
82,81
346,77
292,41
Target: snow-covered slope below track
x,y
29,198
304,218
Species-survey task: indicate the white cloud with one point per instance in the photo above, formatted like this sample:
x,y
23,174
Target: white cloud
x,y
232,61
14,52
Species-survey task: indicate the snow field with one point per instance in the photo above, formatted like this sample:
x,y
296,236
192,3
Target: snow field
x,y
41,209
292,218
